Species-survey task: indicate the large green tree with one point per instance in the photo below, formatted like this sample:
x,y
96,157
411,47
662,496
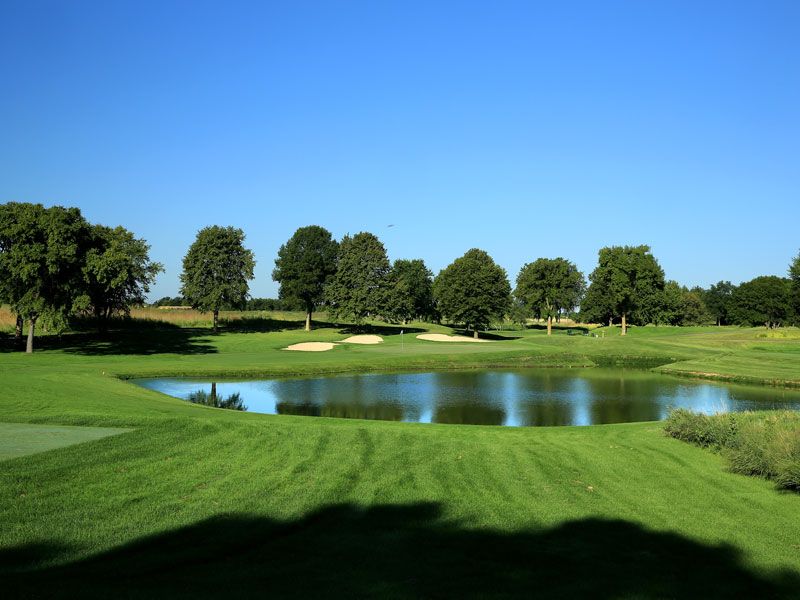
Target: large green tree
x,y
794,276
304,264
628,280
118,272
42,253
681,306
410,291
216,270
762,301
472,290
718,301
548,286
358,289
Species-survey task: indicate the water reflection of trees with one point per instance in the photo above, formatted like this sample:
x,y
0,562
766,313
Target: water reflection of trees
x,y
350,398
546,399
232,402
622,399
547,413
464,399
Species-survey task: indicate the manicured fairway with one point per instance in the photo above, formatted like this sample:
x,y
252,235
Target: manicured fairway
x,y
202,502
19,439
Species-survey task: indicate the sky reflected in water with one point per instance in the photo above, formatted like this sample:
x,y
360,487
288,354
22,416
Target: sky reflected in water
x,y
515,398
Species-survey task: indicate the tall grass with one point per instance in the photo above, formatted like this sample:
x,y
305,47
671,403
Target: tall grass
x,y
7,319
764,444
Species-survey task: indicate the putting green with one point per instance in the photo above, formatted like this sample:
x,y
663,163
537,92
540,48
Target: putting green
x,y
19,439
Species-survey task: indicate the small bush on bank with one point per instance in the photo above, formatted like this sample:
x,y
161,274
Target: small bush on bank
x,y
765,444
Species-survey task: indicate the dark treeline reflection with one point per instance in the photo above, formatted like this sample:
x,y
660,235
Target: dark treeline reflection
x,y
232,402
629,399
522,397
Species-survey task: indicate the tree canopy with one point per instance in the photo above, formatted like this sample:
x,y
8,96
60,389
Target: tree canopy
x,y
794,277
548,286
472,290
304,264
118,271
410,291
627,281
217,269
358,289
42,252
718,301
762,301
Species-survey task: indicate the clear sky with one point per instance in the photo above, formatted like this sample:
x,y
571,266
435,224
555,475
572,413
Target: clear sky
x,y
527,129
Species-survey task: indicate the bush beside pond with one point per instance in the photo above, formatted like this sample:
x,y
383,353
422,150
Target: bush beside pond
x,y
765,444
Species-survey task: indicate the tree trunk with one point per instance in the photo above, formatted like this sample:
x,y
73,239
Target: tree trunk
x,y
18,329
475,333
549,325
31,326
214,390
308,319
624,325
216,318
610,321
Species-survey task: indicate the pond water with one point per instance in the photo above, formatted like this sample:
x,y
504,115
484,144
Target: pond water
x,y
516,398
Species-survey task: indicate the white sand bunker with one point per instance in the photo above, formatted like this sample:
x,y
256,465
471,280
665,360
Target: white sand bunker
x,y
363,339
440,337
312,346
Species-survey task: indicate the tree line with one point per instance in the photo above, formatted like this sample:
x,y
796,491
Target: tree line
x,y
54,264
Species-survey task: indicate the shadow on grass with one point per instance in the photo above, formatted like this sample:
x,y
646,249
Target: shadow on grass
x,y
488,335
396,551
374,329
559,329
174,340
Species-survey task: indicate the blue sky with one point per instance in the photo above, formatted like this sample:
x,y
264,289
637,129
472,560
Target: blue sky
x,y
527,129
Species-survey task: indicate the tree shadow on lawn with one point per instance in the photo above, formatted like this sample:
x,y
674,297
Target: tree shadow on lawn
x,y
175,340
396,551
488,335
386,330
560,329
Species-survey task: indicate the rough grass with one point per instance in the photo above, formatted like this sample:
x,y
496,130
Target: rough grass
x,y
196,501
764,444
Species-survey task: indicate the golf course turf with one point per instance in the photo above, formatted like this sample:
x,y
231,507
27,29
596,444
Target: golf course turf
x,y
196,501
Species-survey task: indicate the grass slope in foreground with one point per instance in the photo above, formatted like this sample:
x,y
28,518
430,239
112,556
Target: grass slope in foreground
x,y
203,502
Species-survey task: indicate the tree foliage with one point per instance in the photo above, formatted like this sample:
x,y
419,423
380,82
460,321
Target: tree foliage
x,y
472,290
794,277
42,253
718,301
358,289
548,286
118,271
217,269
303,266
627,282
762,301
410,291
681,306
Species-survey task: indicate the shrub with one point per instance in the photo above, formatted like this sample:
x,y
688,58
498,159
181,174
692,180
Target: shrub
x,y
707,431
765,444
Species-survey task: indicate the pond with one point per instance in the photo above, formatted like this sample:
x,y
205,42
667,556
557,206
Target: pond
x,y
517,398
